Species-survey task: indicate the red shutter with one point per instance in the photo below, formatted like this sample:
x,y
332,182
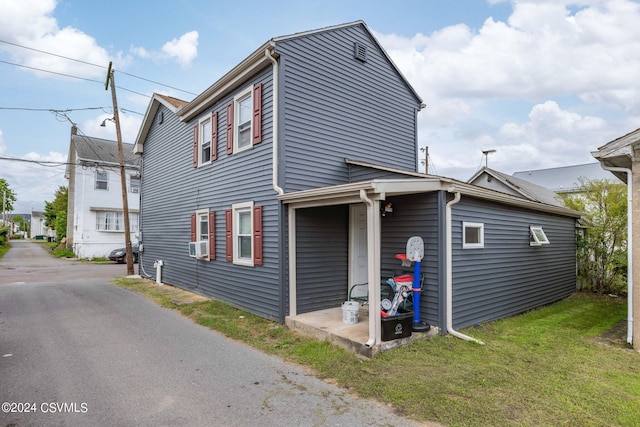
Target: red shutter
x,y
257,235
193,228
228,214
212,235
230,128
257,113
195,146
214,136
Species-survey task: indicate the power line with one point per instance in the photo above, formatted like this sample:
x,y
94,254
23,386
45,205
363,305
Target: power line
x,y
53,164
47,163
50,72
66,110
51,53
89,63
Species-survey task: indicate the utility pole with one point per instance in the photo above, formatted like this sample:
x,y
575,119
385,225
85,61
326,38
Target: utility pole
x,y
425,161
123,174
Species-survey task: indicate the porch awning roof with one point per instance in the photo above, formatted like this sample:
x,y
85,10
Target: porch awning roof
x,y
619,153
380,189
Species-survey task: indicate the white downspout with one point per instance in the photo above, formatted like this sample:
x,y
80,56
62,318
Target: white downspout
x,y
373,271
629,248
274,79
449,273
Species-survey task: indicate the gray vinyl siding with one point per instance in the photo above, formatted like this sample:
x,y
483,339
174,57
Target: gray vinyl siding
x,y
361,173
414,215
322,257
508,276
173,190
336,107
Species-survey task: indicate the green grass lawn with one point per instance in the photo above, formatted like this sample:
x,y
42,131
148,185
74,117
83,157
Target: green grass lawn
x,y
546,367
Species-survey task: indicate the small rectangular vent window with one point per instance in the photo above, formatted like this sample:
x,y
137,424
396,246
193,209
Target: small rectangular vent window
x,y
472,235
360,52
537,236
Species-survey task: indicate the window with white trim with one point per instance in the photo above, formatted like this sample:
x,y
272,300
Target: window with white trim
x,y
102,180
537,236
134,183
243,120
204,141
472,235
114,221
243,233
202,224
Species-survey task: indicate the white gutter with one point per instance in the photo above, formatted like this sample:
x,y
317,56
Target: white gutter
x,y
275,79
629,248
449,274
374,285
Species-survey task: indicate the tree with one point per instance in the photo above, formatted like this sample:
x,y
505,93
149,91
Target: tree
x,y
7,196
602,247
55,212
23,225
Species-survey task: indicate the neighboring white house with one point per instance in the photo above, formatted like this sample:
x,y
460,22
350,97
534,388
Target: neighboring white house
x,y
38,226
95,220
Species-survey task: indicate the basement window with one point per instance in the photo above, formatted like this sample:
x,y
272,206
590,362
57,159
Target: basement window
x,y
472,235
537,237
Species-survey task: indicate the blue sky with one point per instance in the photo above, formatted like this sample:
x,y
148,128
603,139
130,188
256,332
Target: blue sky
x,y
543,82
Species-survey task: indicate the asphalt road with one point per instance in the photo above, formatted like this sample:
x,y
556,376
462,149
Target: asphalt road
x,y
77,351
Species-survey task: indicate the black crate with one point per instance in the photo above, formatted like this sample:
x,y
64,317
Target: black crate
x,y
397,326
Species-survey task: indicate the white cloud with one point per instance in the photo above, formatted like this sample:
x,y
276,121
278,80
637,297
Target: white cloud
x,y
30,23
572,64
34,183
184,49
129,126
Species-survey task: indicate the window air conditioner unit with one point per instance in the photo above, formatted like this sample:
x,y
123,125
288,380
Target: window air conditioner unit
x,y
135,190
199,249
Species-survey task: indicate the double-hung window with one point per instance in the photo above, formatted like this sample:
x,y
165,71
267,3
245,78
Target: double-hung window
x,y
204,145
243,124
244,119
244,234
134,183
102,180
203,225
205,140
203,232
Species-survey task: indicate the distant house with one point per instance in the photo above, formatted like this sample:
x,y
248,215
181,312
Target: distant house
x,y
294,177
38,225
565,179
16,226
492,179
95,221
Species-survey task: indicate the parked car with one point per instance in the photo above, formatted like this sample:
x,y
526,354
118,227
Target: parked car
x,y
119,255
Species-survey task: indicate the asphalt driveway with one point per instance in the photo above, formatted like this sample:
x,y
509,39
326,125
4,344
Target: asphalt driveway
x,y
78,351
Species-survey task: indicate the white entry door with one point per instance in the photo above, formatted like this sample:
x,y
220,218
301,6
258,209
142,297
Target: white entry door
x,y
358,260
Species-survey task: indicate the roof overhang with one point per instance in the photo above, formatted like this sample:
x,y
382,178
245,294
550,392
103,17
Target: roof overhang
x,y
249,66
152,109
619,153
380,189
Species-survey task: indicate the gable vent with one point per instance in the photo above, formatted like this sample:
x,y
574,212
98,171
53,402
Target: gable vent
x,y
360,52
